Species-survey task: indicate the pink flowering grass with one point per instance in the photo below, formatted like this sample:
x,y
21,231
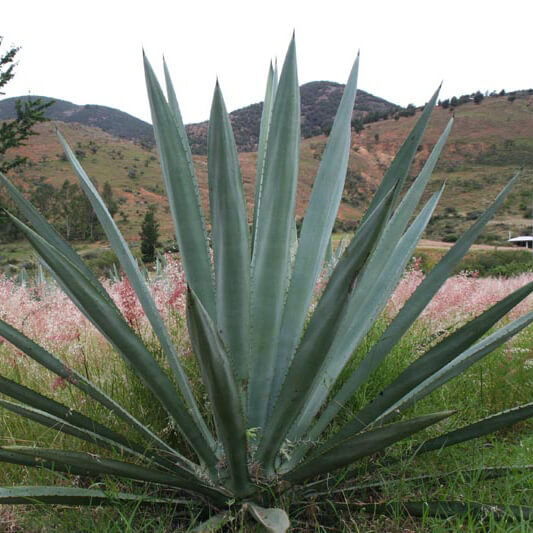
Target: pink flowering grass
x,y
46,314
462,297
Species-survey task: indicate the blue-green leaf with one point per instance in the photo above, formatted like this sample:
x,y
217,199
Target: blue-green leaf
x,y
182,191
270,258
139,285
316,231
230,234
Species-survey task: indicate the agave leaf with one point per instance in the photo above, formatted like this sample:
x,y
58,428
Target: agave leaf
x,y
478,429
139,285
458,365
130,347
444,509
222,391
356,446
316,231
470,475
46,359
266,118
11,455
74,496
324,321
407,315
59,424
213,524
381,270
230,234
274,520
407,207
182,191
176,113
432,361
363,308
93,464
399,168
38,401
76,419
272,240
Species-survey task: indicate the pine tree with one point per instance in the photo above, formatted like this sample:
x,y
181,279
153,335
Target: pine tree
x,y
109,200
149,235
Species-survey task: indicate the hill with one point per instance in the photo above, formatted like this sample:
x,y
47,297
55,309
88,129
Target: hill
x,y
108,119
319,103
489,142
320,100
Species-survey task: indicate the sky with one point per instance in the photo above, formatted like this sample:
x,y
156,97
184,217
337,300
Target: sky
x,y
91,52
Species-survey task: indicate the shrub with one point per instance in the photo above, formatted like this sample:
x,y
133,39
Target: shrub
x,y
270,370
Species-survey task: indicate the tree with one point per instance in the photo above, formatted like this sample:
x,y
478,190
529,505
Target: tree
x,y
478,97
357,125
149,235
109,200
14,132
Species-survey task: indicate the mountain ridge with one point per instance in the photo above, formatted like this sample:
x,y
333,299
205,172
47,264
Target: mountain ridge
x,y
320,100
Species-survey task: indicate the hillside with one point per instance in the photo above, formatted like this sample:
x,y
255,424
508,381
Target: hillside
x,y
319,102
489,142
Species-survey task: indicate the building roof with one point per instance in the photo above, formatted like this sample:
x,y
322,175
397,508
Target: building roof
x,y
524,238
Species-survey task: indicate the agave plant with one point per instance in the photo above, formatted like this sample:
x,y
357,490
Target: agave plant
x,y
270,356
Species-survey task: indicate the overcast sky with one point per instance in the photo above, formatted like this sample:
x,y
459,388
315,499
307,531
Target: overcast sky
x,y
90,52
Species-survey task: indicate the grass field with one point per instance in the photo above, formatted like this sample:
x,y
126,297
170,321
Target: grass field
x,y
502,380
